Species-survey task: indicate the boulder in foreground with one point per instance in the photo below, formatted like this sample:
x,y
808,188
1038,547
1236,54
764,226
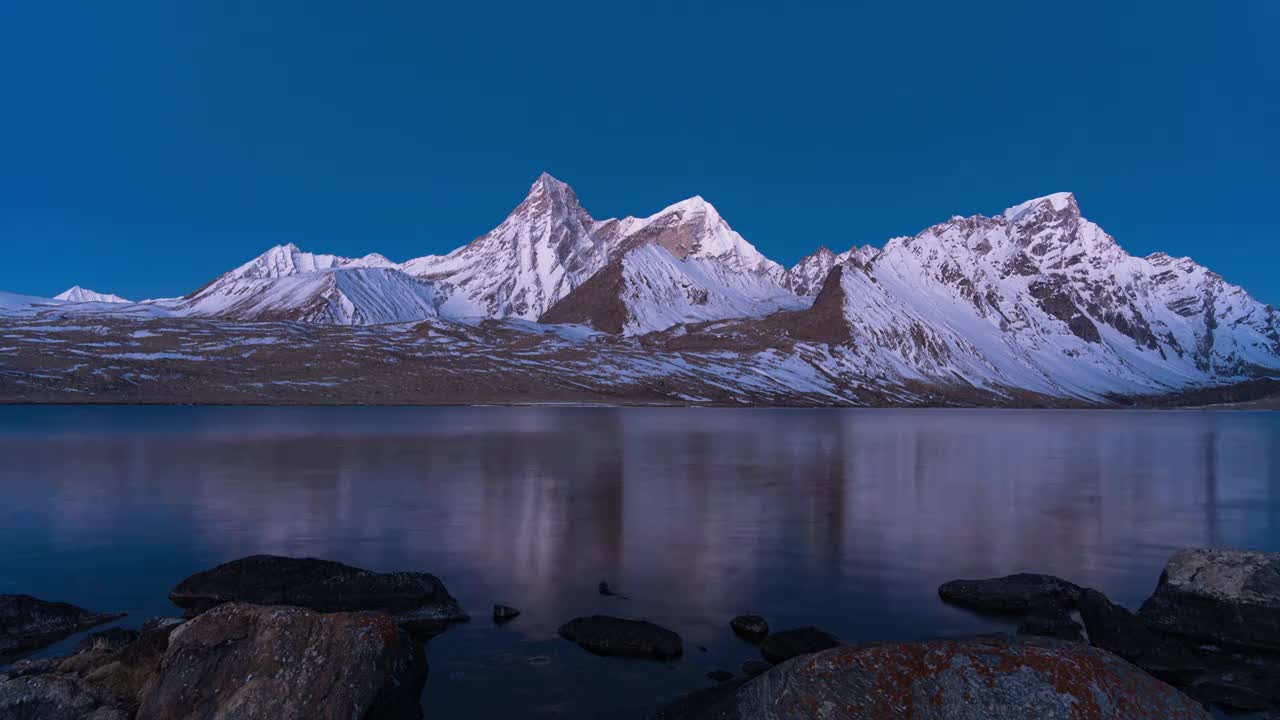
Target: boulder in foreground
x,y
419,601
27,623
56,696
1222,596
1012,594
784,645
254,662
604,635
992,678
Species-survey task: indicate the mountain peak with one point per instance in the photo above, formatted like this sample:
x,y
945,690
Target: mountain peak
x,y
79,294
1057,202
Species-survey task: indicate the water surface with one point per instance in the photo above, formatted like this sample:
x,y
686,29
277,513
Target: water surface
x,y
846,519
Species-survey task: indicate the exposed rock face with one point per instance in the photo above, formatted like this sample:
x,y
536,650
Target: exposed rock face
x,y
1226,596
283,663
992,678
27,623
1012,594
419,601
1114,628
784,645
604,635
750,627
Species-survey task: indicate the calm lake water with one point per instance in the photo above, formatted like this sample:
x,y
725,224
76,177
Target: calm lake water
x,y
845,519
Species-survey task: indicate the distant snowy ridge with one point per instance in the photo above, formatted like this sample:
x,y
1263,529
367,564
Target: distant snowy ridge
x,y
78,294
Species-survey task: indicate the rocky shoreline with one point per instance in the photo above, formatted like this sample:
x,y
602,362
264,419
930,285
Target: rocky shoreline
x,y
276,637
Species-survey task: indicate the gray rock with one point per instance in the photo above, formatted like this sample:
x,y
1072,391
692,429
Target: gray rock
x,y
1012,594
108,640
504,613
56,696
719,675
1223,596
27,623
750,627
604,635
1114,628
419,601
985,678
782,646
254,662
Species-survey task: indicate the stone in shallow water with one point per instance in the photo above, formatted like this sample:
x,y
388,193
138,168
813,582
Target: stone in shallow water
x,y
784,645
1051,621
419,601
750,627
987,678
1012,594
27,623
504,613
606,635
1225,596
719,675
254,662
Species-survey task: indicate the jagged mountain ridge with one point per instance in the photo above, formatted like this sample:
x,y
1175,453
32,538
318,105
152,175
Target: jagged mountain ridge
x,y
1035,300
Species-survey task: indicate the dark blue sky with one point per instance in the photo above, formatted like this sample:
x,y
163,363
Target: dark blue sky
x,y
147,146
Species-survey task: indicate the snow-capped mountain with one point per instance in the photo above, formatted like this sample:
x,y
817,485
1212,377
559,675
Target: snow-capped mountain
x,y
550,245
1039,298
77,294
286,283
650,289
1034,303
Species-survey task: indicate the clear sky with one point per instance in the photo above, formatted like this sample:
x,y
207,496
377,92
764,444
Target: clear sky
x,y
146,146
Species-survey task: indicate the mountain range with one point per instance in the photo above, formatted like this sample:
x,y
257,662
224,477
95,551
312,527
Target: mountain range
x,y
1035,305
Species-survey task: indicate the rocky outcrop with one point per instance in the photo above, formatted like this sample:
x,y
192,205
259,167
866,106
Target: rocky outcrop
x,y
504,613
993,678
750,627
419,601
784,645
604,635
56,696
1223,596
103,679
27,623
1012,594
281,663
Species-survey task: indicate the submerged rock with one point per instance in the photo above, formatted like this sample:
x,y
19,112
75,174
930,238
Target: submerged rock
x,y
784,645
419,601
1051,621
719,675
604,635
27,623
504,613
1224,596
993,678
1012,594
750,627
254,662
607,591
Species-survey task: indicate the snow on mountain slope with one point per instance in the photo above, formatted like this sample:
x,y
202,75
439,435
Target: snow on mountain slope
x,y
806,277
550,245
1042,299
336,296
78,294
650,289
15,303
